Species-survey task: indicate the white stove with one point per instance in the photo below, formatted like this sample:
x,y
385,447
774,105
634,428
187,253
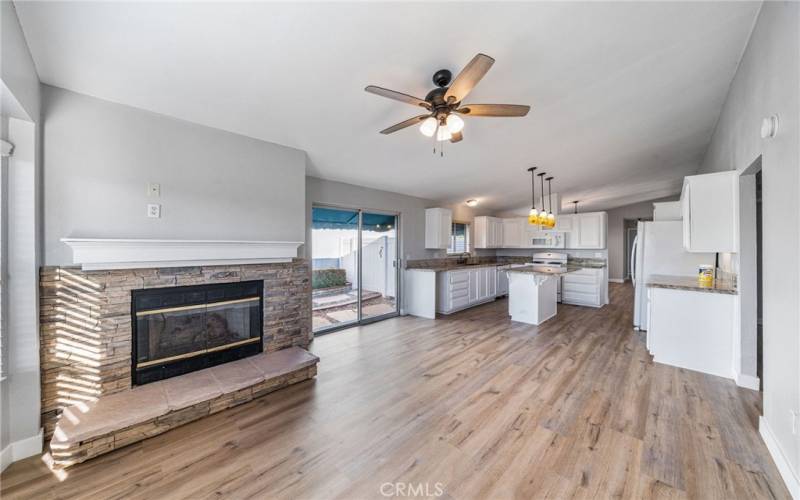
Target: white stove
x,y
551,262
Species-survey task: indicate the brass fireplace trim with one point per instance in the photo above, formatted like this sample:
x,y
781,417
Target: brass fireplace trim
x,y
195,353
196,306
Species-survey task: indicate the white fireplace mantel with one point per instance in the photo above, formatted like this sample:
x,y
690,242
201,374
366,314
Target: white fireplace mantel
x,y
98,253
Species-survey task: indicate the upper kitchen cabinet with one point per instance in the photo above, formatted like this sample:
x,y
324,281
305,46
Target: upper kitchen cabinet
x,y
514,232
565,223
710,210
584,230
591,230
488,232
438,228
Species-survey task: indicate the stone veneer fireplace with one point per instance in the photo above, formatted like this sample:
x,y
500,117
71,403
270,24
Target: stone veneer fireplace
x,y
87,329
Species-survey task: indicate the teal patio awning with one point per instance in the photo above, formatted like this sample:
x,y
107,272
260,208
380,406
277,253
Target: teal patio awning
x,y
334,218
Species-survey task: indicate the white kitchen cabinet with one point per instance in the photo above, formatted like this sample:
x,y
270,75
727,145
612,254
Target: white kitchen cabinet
x,y
710,210
532,298
592,229
585,287
587,230
488,232
463,288
692,329
501,286
565,223
667,210
513,231
438,228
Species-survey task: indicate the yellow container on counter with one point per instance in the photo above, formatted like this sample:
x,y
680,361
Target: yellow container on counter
x,y
705,275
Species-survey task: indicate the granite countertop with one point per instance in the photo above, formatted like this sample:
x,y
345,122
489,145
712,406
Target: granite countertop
x,y
553,271
690,283
586,263
572,265
436,269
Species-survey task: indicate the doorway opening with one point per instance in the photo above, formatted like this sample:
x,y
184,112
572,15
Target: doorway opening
x,y
631,227
749,357
353,266
759,284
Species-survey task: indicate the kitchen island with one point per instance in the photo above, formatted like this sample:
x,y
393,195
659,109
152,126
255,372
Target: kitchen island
x,y
533,293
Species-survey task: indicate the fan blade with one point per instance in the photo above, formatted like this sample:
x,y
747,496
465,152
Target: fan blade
x,y
402,125
397,96
494,110
456,137
468,78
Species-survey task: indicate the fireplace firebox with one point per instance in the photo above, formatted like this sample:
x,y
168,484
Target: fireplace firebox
x,y
182,329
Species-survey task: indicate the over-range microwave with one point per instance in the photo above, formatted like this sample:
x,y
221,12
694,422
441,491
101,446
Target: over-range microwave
x,y
549,239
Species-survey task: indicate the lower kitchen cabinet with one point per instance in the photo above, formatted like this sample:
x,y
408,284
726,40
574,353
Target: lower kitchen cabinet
x,y
464,288
586,287
693,330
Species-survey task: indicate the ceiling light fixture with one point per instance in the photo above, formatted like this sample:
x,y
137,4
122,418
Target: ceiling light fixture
x,y
576,206
428,127
551,218
542,213
442,134
533,215
454,123
472,203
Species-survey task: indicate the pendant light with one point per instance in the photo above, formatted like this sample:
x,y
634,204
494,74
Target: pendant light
x,y
576,206
551,218
543,212
533,215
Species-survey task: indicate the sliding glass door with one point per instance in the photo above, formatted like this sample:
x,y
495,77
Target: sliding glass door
x,y
378,265
354,267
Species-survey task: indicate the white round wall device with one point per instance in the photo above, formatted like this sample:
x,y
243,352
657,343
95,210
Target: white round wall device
x,y
769,127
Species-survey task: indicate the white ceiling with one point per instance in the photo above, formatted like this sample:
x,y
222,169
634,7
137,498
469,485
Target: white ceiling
x,y
624,96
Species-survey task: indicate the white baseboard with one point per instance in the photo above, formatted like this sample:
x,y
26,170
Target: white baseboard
x,y
748,381
616,280
5,458
23,448
784,467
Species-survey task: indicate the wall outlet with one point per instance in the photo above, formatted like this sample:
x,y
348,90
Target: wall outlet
x,y
154,210
154,190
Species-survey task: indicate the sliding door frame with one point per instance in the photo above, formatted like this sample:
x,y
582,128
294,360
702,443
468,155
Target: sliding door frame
x,y
398,288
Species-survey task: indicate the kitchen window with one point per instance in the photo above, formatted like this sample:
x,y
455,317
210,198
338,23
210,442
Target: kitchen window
x,y
459,238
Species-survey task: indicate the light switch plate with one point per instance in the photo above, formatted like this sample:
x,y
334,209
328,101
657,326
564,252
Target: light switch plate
x,y
154,189
154,210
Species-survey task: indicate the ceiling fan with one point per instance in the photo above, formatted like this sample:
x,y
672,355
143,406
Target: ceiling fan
x,y
444,103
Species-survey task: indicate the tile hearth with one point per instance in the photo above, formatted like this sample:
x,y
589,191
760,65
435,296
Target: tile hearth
x,y
87,430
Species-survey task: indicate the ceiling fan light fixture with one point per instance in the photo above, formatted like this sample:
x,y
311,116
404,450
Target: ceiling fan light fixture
x,y
454,123
428,127
442,134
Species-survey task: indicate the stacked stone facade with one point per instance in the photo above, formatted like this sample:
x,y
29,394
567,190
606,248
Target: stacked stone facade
x,y
85,317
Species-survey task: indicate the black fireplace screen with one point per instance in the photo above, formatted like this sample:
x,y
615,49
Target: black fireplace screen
x,y
183,329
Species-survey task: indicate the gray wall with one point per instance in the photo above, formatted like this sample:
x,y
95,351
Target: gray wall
x,y
616,233
768,82
99,157
18,71
20,101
